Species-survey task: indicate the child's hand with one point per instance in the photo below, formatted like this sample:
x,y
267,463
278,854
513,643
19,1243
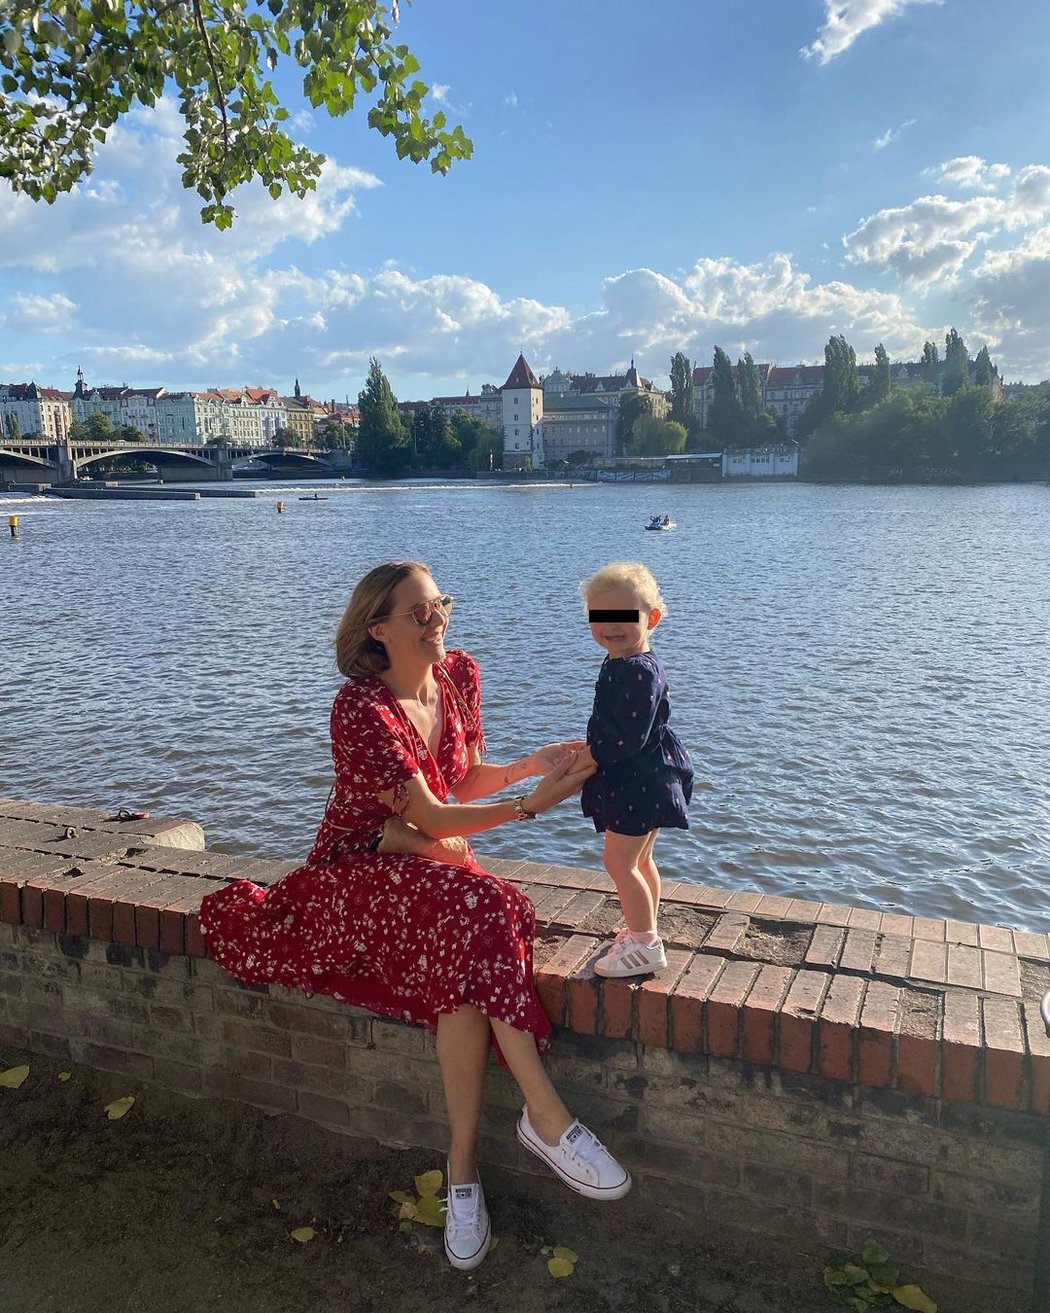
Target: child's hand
x,y
545,759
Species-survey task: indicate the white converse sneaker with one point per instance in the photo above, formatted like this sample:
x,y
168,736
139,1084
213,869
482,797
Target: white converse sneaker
x,y
467,1230
627,957
581,1160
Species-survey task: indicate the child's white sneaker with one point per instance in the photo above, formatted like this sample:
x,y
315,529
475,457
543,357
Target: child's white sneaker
x,y
629,957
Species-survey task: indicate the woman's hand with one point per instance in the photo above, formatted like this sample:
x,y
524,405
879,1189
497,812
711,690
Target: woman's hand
x,y
566,778
400,837
545,759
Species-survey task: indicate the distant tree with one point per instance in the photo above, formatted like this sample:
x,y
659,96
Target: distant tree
x,y
285,437
749,389
956,372
633,405
657,437
336,436
725,419
878,388
14,428
433,440
581,457
487,453
681,389
129,433
382,441
96,428
469,433
931,365
812,417
841,387
984,374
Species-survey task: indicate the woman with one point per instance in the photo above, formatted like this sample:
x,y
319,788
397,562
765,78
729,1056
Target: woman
x,y
392,911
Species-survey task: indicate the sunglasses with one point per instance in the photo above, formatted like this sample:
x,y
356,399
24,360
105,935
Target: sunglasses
x,y
423,612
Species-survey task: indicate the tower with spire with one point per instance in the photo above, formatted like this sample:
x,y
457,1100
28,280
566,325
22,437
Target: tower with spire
x,y
522,397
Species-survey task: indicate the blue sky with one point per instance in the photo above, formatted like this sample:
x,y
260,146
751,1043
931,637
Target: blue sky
x,y
646,179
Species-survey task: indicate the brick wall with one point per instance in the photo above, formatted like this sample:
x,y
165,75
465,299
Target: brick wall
x,y
847,1088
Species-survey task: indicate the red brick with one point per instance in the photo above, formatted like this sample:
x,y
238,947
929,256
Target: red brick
x,y
1004,1054
895,923
725,1006
773,905
555,900
727,933
760,1012
126,901
878,1022
11,899
929,961
917,1043
79,892
702,895
617,1008
583,998
858,951
802,909
654,999
688,997
960,1047
833,914
552,977
1028,944
964,966
196,945
1039,1056
837,1026
996,938
743,900
864,918
893,957
575,912
150,904
925,927
34,890
961,932
798,1017
825,946
1002,973
174,918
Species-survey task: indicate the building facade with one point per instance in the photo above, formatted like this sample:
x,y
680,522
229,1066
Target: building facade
x,y
27,410
522,420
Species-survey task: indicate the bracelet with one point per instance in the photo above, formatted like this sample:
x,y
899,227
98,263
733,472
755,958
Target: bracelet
x,y
521,812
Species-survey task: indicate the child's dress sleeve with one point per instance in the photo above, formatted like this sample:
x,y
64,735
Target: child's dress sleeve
x,y
626,703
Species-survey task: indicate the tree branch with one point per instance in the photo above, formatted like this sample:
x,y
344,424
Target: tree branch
x,y
219,97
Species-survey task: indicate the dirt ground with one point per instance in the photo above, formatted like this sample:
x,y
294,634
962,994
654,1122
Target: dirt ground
x,y
186,1205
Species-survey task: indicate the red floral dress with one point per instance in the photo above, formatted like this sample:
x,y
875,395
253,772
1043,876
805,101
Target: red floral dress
x,y
401,935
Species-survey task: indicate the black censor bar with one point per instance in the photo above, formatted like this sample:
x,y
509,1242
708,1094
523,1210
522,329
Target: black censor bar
x,y
604,617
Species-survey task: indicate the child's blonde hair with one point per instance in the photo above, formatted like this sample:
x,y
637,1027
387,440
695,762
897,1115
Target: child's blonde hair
x,y
626,574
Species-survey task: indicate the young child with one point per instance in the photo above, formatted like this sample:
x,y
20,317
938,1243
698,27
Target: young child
x,y
644,779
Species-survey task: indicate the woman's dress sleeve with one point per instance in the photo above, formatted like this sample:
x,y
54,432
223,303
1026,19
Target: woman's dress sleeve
x,y
371,750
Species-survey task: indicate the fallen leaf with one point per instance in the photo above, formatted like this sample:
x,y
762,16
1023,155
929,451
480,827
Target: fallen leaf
x,y
402,1196
569,1255
914,1297
429,1183
65,1075
276,1203
560,1267
430,1211
494,1243
119,1107
302,1234
407,1211
13,1077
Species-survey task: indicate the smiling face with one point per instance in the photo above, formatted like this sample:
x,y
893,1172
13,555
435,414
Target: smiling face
x,y
406,642
622,638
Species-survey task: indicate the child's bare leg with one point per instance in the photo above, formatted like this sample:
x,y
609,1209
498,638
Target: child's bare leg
x,y
651,874
623,854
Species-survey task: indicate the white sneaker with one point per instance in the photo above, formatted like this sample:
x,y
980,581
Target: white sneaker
x,y
467,1230
580,1159
627,957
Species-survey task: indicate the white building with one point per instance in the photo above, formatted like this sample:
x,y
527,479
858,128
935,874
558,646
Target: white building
x,y
761,463
522,398
35,412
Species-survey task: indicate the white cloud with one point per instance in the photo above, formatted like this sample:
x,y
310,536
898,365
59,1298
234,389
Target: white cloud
x,y
969,173
846,20
511,100
440,91
1011,304
33,313
892,134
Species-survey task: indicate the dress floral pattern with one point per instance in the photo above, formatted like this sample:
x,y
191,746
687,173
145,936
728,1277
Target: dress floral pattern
x,y
400,935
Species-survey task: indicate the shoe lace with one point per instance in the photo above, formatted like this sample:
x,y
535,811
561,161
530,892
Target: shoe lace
x,y
588,1149
463,1214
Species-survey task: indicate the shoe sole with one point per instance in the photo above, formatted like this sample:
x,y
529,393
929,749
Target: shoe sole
x,y
468,1264
623,975
588,1191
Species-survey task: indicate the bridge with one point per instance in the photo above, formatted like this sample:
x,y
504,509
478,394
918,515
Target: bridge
x,y
36,459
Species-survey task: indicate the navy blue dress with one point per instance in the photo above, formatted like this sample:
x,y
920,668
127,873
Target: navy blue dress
x,y
644,779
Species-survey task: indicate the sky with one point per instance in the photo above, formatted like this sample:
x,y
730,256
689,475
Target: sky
x,y
645,180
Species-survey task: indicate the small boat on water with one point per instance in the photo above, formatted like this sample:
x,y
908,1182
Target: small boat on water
x,y
660,523
313,497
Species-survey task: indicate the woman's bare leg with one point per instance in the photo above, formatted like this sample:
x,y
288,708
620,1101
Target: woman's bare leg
x,y
463,1040
549,1116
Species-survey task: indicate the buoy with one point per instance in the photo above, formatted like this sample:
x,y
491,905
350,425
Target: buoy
x,y
12,524
280,507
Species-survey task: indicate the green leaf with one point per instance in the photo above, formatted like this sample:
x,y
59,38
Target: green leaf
x,y
12,1077
873,1253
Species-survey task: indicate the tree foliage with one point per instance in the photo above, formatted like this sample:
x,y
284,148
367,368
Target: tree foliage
x,y
749,390
956,371
681,390
725,418
657,437
69,71
984,375
841,386
878,389
931,365
633,405
382,439
98,427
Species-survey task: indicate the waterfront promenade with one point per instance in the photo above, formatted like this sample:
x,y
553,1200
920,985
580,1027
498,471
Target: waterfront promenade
x,y
803,1076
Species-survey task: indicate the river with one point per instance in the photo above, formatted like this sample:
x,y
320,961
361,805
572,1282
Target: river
x,y
860,673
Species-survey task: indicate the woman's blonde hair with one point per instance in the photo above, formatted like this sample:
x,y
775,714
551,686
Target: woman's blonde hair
x,y
357,653
626,574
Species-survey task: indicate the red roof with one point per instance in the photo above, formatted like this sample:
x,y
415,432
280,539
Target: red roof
x,y
521,376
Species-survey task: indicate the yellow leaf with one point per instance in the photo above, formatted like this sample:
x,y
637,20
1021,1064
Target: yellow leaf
x,y
276,1203
494,1243
13,1077
430,1211
65,1075
302,1234
568,1254
429,1183
559,1267
407,1211
914,1297
402,1196
119,1107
